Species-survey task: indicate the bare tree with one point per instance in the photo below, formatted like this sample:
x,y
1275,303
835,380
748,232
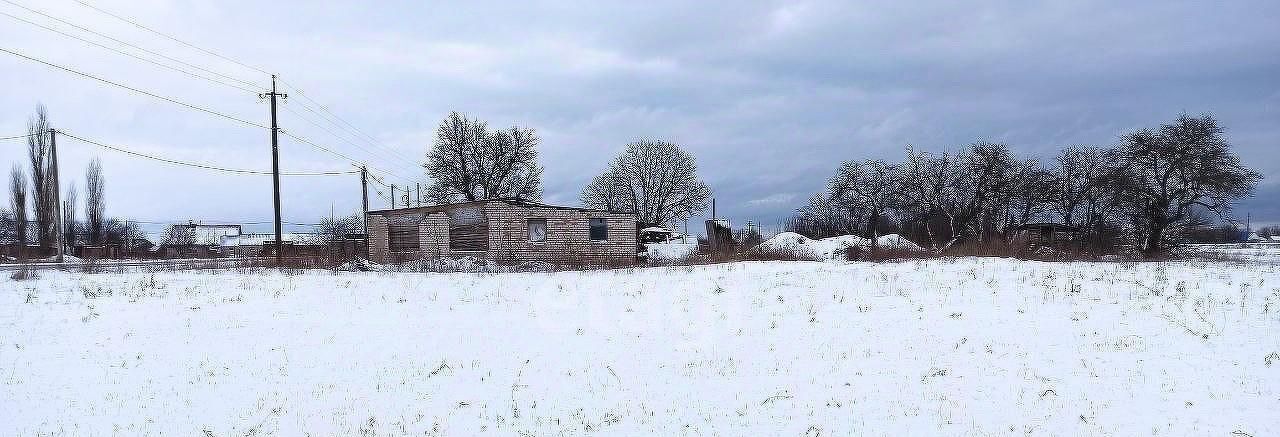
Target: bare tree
x,y
178,235
69,225
935,187
468,162
1087,188
822,217
608,192
333,231
42,183
873,186
1172,172
656,180
6,226
117,231
93,201
18,203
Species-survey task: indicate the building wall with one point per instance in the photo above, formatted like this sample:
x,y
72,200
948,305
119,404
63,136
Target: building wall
x,y
568,236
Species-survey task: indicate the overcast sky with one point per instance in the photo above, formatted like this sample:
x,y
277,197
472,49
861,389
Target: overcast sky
x,y
768,96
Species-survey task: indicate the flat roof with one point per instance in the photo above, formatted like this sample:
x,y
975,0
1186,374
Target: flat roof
x,y
507,200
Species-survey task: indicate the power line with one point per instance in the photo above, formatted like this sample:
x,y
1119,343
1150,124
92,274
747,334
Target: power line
x,y
175,39
126,43
128,54
209,52
136,90
17,137
212,222
203,165
333,152
330,132
371,140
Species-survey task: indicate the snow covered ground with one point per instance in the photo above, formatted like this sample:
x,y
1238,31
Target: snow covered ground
x,y
969,347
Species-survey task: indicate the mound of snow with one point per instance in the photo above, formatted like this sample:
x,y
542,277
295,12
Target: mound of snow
x,y
359,265
895,241
830,247
670,251
837,247
804,247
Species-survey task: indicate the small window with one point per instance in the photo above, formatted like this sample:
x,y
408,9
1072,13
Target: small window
x,y
402,237
537,230
599,229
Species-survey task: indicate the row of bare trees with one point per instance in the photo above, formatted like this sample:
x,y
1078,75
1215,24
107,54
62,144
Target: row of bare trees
x,y
39,223
656,180
1147,191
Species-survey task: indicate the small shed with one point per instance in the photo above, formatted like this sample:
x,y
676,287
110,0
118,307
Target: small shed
x,y
505,231
1047,234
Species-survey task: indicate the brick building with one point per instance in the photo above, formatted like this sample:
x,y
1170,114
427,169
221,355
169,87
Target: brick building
x,y
506,231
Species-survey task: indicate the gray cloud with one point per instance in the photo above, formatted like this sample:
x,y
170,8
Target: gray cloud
x,y
769,96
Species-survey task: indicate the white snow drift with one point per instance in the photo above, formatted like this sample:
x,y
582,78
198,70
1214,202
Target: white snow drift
x,y
831,247
938,347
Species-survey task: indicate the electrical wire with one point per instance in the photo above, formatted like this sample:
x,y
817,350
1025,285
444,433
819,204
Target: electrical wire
x,y
354,161
203,165
352,127
17,137
126,43
334,116
136,90
326,130
198,76
175,39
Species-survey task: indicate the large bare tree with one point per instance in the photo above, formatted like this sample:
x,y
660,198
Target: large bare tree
x,y
1183,168
470,162
94,183
936,186
873,186
656,180
43,185
18,203
1087,187
69,224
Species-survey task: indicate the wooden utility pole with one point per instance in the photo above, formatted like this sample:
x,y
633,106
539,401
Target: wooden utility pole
x,y
57,187
364,188
275,165
419,196
393,196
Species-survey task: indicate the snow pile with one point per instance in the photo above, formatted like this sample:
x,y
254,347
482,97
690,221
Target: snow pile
x,y
961,346
670,251
830,248
898,242
359,265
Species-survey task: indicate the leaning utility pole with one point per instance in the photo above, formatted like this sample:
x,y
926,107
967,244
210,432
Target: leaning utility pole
x,y
57,187
275,164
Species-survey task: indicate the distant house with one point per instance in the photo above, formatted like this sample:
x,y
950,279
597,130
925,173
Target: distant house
x,y
264,244
505,231
196,240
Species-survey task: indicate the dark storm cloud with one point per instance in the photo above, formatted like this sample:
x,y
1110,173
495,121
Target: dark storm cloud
x,y
769,96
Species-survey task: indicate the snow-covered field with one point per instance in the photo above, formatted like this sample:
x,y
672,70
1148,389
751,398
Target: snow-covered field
x,y
972,347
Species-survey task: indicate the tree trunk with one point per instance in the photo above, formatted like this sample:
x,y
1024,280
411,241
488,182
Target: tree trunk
x,y
1152,246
